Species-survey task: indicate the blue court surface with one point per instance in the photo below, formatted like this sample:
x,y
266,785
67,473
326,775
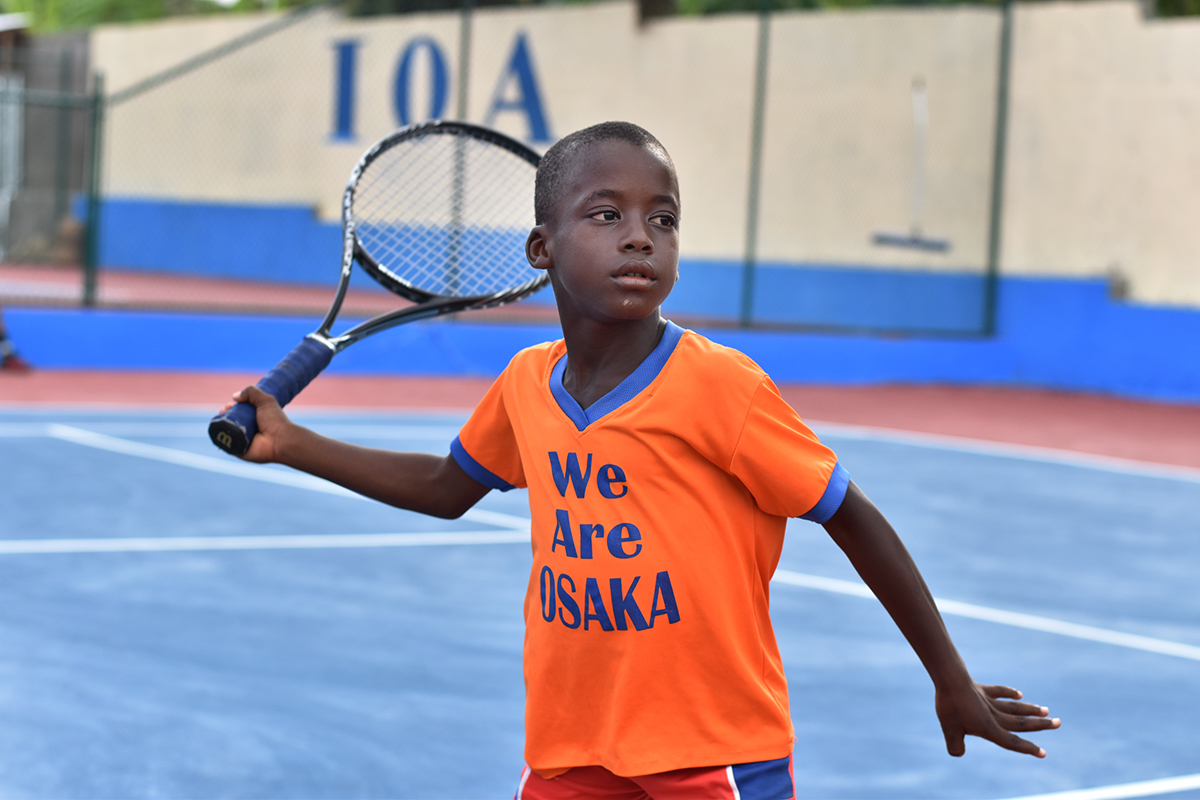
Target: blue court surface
x,y
177,624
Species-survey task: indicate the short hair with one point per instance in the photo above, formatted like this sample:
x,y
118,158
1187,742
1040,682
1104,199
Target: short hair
x,y
552,169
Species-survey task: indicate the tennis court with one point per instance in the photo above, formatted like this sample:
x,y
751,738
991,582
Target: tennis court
x,y
178,624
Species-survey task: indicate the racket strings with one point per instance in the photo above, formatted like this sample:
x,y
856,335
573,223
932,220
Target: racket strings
x,y
447,215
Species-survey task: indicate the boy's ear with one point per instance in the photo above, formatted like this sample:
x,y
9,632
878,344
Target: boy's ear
x,y
537,248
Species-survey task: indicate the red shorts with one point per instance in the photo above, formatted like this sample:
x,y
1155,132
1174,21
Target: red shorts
x,y
761,780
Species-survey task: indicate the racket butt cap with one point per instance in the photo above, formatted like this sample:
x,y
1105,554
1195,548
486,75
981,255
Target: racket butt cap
x,y
228,435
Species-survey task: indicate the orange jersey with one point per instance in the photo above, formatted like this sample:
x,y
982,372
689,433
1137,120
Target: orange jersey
x,y
658,520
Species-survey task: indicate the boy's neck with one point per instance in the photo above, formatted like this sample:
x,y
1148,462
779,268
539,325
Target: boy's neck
x,y
601,355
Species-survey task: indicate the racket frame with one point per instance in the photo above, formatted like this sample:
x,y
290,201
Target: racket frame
x,y
233,430
428,304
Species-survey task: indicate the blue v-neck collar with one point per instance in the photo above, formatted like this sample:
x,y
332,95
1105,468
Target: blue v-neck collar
x,y
625,391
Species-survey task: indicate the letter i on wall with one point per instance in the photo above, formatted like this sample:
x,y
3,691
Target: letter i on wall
x,y
345,69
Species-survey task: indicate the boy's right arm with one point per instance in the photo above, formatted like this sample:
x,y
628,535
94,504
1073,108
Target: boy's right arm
x,y
964,707
423,482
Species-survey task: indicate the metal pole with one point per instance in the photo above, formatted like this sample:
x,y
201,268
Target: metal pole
x,y
62,163
464,59
1000,144
459,187
756,144
91,247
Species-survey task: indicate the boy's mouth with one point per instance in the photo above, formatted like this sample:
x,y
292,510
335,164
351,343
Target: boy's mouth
x,y
636,273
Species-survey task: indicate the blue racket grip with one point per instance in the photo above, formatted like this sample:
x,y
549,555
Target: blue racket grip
x,y
233,430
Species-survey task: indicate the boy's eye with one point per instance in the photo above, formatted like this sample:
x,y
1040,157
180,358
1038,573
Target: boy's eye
x,y
607,215
666,220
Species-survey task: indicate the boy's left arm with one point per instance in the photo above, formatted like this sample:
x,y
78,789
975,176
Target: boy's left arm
x,y
963,706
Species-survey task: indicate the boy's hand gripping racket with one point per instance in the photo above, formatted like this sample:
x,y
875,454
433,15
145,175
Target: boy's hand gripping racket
x,y
436,212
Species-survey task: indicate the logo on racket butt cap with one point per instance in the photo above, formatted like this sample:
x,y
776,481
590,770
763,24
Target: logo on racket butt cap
x,y
226,435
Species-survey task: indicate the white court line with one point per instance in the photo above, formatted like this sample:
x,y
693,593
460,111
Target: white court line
x,y
228,465
962,444
1123,790
175,544
1010,618
182,430
223,466
233,467
1047,455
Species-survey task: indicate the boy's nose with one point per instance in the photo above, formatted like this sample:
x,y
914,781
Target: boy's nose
x,y
638,238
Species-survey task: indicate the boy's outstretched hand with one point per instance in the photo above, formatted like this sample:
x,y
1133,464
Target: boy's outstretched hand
x,y
992,713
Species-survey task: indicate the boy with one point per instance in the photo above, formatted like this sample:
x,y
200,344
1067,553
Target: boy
x,y
661,470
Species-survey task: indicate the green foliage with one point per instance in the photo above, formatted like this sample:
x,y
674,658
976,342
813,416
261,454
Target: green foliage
x,y
59,15
369,8
1161,8
722,6
1176,8
49,16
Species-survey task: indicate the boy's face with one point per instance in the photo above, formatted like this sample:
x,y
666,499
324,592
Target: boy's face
x,y
612,246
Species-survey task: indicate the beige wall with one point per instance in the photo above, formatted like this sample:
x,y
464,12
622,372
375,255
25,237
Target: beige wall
x,y
1103,161
840,134
1104,148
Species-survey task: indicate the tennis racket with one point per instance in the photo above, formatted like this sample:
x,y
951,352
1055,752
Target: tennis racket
x,y
438,213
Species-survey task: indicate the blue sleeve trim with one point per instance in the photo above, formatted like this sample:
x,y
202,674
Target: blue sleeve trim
x,y
477,470
831,501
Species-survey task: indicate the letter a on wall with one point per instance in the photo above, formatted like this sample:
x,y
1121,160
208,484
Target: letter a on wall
x,y
519,79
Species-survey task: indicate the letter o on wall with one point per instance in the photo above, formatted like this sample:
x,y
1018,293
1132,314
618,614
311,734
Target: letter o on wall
x,y
438,80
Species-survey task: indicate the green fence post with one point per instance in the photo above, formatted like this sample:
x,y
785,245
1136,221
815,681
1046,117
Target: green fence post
x,y
756,143
63,161
91,245
464,58
999,145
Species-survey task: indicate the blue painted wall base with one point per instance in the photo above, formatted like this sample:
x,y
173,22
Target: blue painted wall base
x,y
289,243
1060,334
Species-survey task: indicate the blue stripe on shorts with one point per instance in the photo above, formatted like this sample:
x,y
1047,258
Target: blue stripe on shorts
x,y
765,780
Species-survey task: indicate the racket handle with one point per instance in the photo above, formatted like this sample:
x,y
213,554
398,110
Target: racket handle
x,y
233,430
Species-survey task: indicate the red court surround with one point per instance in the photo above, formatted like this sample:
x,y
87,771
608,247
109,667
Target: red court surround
x,y
1097,424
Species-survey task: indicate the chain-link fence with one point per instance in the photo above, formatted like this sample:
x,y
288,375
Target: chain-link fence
x,y
47,126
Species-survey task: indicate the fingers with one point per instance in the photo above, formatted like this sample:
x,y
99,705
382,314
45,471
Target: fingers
x,y
1022,717
1003,736
1014,716
1027,724
1036,719
995,692
996,714
1018,745
956,743
1020,709
240,396
253,395
250,394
